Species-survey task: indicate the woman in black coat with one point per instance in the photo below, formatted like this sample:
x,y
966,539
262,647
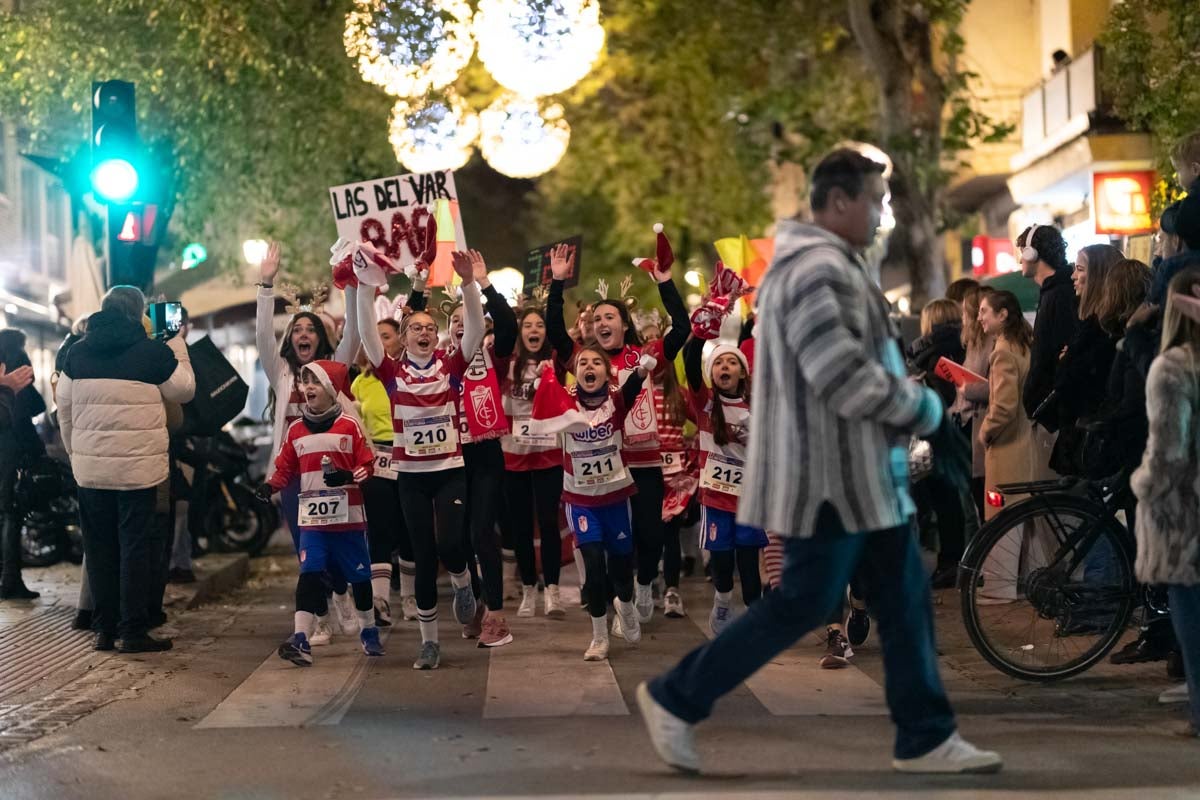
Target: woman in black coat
x,y
20,445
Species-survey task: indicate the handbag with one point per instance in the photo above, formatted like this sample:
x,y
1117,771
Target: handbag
x,y
220,391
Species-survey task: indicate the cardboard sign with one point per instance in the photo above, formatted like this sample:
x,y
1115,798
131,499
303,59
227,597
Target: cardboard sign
x,y
957,374
386,212
537,264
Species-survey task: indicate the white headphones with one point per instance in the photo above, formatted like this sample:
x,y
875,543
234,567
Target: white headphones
x,y
1029,252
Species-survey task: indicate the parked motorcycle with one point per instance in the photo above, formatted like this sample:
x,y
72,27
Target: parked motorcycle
x,y
227,515
50,530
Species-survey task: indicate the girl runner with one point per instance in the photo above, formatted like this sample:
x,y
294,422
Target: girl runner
x,y
619,340
427,453
723,413
305,340
679,481
596,482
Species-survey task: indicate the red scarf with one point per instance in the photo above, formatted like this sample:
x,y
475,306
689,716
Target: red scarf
x,y
482,404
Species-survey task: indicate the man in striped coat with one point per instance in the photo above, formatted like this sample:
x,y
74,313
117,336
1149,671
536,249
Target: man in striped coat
x,y
832,401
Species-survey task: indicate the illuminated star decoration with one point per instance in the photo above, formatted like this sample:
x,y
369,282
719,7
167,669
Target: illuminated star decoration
x,y
409,46
520,140
538,48
433,136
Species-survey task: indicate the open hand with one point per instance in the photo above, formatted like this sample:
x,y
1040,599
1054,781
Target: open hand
x,y
562,262
464,267
16,380
479,269
270,264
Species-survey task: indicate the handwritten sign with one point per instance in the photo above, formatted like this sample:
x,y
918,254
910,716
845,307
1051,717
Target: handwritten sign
x,y
388,211
537,264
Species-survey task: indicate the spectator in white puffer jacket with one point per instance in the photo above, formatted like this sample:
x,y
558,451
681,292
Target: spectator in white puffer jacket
x,y
110,408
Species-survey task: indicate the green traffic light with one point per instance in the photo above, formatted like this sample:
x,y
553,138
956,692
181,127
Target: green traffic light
x,y
194,255
115,180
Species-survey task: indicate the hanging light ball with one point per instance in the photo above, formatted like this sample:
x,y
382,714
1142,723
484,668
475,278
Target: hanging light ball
x,y
428,137
409,46
521,140
538,47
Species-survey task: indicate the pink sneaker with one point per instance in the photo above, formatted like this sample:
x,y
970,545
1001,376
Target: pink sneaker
x,y
495,630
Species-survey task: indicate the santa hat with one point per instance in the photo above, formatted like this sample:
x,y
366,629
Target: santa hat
x,y
554,410
332,375
664,257
726,350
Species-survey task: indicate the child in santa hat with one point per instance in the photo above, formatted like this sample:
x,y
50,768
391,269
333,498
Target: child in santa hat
x,y
329,452
596,482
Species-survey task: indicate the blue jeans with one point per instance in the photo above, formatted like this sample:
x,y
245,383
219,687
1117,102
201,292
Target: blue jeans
x,y
815,574
1185,616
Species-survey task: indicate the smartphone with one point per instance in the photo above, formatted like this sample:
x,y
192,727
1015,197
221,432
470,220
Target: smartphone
x,y
165,319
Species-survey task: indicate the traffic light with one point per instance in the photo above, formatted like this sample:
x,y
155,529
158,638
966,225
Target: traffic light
x,y
116,156
194,255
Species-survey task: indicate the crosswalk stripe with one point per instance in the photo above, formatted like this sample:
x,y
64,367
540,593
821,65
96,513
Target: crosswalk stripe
x,y
543,674
282,695
792,685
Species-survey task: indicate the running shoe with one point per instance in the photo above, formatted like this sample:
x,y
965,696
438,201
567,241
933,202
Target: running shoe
x,y
673,604
858,626
464,605
474,628
955,755
553,602
643,600
430,657
347,618
837,650
671,736
719,617
496,632
383,613
631,626
370,642
1176,694
297,650
408,606
322,634
597,650
616,627
528,602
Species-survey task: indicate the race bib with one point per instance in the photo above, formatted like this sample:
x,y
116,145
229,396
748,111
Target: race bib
x,y
430,436
522,436
383,467
598,467
672,463
723,474
324,507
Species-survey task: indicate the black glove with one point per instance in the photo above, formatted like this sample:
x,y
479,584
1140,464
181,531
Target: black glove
x,y
951,455
339,477
263,492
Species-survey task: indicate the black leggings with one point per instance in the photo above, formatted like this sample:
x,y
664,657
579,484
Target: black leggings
x,y
311,597
647,521
672,553
485,471
746,559
386,531
535,494
434,506
602,567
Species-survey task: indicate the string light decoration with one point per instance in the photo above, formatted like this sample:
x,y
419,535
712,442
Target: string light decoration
x,y
538,47
409,47
520,140
433,136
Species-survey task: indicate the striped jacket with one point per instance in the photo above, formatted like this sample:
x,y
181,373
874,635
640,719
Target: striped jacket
x,y
833,409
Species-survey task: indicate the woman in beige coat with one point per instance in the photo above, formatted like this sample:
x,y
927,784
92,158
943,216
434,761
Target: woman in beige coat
x,y
1005,432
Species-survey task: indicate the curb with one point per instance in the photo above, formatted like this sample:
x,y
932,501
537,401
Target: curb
x,y
217,574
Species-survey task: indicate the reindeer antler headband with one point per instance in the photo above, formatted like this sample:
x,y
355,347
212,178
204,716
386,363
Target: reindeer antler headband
x,y
317,293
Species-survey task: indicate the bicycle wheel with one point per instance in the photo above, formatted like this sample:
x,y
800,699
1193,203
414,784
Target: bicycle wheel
x,y
1048,587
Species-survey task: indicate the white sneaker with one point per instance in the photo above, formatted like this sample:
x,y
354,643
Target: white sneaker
x,y
1176,694
347,619
673,604
631,626
720,617
322,633
643,600
408,606
672,737
955,755
616,627
528,602
553,602
597,650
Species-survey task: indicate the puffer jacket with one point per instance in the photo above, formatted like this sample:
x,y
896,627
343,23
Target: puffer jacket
x,y
110,403
1167,484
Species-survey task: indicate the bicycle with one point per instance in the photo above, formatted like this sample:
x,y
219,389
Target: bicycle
x,y
1047,585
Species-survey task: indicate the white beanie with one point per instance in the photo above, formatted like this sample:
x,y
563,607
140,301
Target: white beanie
x,y
722,350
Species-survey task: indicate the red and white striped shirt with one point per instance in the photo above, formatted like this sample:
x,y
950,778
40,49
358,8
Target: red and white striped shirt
x,y
347,447
594,472
641,445
722,467
670,435
524,450
425,417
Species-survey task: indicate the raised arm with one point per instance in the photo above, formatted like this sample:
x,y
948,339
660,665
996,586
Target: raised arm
x,y
347,349
504,319
369,327
562,262
693,354
264,326
473,324
681,326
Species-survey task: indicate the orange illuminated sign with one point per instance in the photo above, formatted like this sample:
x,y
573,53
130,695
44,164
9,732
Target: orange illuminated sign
x,y
1122,202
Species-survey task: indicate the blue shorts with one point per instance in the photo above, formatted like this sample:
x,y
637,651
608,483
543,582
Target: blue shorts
x,y
719,531
343,552
611,525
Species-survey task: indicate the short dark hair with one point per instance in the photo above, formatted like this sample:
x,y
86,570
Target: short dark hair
x,y
844,168
958,289
1049,243
1187,224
